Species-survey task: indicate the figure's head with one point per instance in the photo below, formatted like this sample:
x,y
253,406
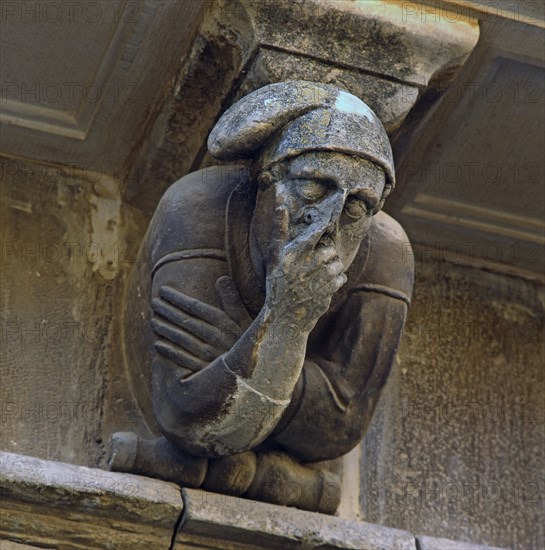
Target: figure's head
x,y
340,192
316,149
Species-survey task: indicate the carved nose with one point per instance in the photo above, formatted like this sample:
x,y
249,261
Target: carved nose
x,y
335,208
336,205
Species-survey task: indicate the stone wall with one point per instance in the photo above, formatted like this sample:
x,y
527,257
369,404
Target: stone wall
x,y
67,244
457,445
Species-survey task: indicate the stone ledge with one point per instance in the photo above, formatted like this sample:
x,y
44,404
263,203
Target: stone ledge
x,y
219,521
432,543
45,503
56,505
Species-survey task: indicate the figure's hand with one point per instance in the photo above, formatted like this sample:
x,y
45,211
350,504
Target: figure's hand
x,y
303,274
193,333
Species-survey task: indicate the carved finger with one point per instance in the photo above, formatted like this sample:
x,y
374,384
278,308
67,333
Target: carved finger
x,y
324,256
334,268
179,356
212,315
337,283
230,301
185,340
280,230
205,332
327,254
179,318
307,241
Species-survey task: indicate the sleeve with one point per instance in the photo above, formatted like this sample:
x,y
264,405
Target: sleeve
x,y
344,375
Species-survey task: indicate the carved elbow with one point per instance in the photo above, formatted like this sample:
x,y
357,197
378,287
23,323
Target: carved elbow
x,y
213,412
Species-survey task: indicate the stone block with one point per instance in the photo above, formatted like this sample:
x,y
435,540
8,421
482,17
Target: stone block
x,y
432,543
386,38
47,503
222,522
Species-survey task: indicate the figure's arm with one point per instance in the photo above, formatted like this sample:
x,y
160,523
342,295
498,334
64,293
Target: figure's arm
x,y
234,402
342,380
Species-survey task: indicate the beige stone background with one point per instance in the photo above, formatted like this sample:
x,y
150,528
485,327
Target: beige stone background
x,y
457,447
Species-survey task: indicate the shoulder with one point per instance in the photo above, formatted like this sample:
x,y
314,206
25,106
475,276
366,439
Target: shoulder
x,y
204,186
191,213
390,261
201,194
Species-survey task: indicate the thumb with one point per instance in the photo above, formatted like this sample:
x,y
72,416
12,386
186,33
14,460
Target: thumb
x,y
230,301
279,233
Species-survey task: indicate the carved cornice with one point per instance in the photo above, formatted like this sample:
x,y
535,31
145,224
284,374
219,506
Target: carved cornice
x,y
368,48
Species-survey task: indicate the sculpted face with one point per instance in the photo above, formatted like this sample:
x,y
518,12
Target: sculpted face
x,y
333,189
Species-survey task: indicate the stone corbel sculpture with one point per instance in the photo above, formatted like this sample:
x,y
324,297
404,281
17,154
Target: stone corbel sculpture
x,y
268,301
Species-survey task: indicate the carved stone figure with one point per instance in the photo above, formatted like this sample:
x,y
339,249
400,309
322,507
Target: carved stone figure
x,y
268,301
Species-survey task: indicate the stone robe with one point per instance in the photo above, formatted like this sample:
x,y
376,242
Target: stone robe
x,y
198,234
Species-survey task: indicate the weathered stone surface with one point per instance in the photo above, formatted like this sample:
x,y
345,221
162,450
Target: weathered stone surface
x,y
385,37
55,505
457,446
432,543
10,545
63,251
128,52
390,100
222,48
477,195
50,503
291,255
71,380
222,522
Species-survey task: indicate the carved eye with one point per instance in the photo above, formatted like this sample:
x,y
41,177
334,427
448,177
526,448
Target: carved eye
x,y
355,208
310,189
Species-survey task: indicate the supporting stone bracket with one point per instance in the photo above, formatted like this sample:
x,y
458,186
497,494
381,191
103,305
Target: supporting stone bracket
x,y
371,48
